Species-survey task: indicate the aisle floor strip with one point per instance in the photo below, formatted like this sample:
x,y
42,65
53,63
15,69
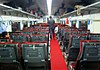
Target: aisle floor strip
x,y
56,57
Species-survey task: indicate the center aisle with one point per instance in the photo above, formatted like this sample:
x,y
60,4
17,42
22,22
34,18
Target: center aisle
x,y
56,57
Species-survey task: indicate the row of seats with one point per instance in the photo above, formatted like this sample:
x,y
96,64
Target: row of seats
x,y
74,45
77,53
32,55
36,32
26,38
30,38
15,56
66,31
88,57
27,51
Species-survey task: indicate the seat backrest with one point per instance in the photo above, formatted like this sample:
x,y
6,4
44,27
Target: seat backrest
x,y
33,52
74,45
8,52
21,38
75,40
4,39
74,32
28,32
94,36
67,33
43,31
89,55
39,38
90,50
83,31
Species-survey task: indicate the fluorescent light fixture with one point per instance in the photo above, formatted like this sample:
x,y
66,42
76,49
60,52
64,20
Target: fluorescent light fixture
x,y
49,4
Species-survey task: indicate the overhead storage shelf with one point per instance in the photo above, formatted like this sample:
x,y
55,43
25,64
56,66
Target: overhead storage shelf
x,y
90,9
7,10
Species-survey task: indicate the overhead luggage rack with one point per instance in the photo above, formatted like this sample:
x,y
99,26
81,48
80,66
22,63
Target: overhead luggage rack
x,y
7,10
91,9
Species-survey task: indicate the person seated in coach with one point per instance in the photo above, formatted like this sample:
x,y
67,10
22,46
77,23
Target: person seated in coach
x,y
51,23
5,35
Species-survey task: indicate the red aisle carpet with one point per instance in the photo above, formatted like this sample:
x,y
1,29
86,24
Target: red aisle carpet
x,y
56,57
